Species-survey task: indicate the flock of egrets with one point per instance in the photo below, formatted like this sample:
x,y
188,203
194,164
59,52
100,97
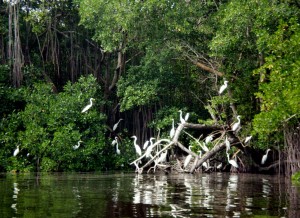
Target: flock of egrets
x,y
149,145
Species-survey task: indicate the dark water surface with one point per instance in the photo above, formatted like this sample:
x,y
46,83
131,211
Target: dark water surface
x,y
131,195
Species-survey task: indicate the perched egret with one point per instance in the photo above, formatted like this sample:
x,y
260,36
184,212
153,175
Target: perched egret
x,y
219,166
223,87
116,125
16,152
186,117
206,165
145,144
208,139
264,158
137,147
172,131
237,124
187,160
232,162
77,146
162,158
117,148
227,143
86,108
248,138
181,118
115,141
150,148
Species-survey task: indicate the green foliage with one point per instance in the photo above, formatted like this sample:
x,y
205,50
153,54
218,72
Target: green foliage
x,y
280,93
296,178
52,123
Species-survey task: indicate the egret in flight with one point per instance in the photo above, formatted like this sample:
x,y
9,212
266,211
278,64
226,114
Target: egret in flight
x,y
223,87
16,152
264,158
137,147
237,124
116,125
75,147
86,108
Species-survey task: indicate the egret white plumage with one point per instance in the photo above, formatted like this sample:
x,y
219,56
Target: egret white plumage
x,y
162,158
172,131
150,148
117,148
248,138
116,125
187,159
186,117
181,118
86,108
16,152
208,139
223,87
115,141
237,124
227,143
219,166
232,162
137,147
75,147
264,158
145,144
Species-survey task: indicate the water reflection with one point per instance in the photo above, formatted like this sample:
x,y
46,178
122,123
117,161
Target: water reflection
x,y
131,195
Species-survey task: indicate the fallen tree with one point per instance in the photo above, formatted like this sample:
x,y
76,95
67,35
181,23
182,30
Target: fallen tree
x,y
218,144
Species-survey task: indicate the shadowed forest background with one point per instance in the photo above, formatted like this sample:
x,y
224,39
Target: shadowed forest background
x,y
143,61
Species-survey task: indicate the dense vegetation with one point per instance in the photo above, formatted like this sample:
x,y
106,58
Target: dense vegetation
x,y
142,61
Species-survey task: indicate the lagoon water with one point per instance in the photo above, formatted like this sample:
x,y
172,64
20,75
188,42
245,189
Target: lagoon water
x,y
131,195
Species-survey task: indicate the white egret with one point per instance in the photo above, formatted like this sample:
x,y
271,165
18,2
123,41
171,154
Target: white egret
x,y
75,147
219,166
186,117
223,87
162,158
206,166
116,125
181,118
208,139
149,149
232,162
248,138
172,131
264,158
16,152
117,148
145,144
227,143
137,147
187,159
86,108
237,124
115,141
